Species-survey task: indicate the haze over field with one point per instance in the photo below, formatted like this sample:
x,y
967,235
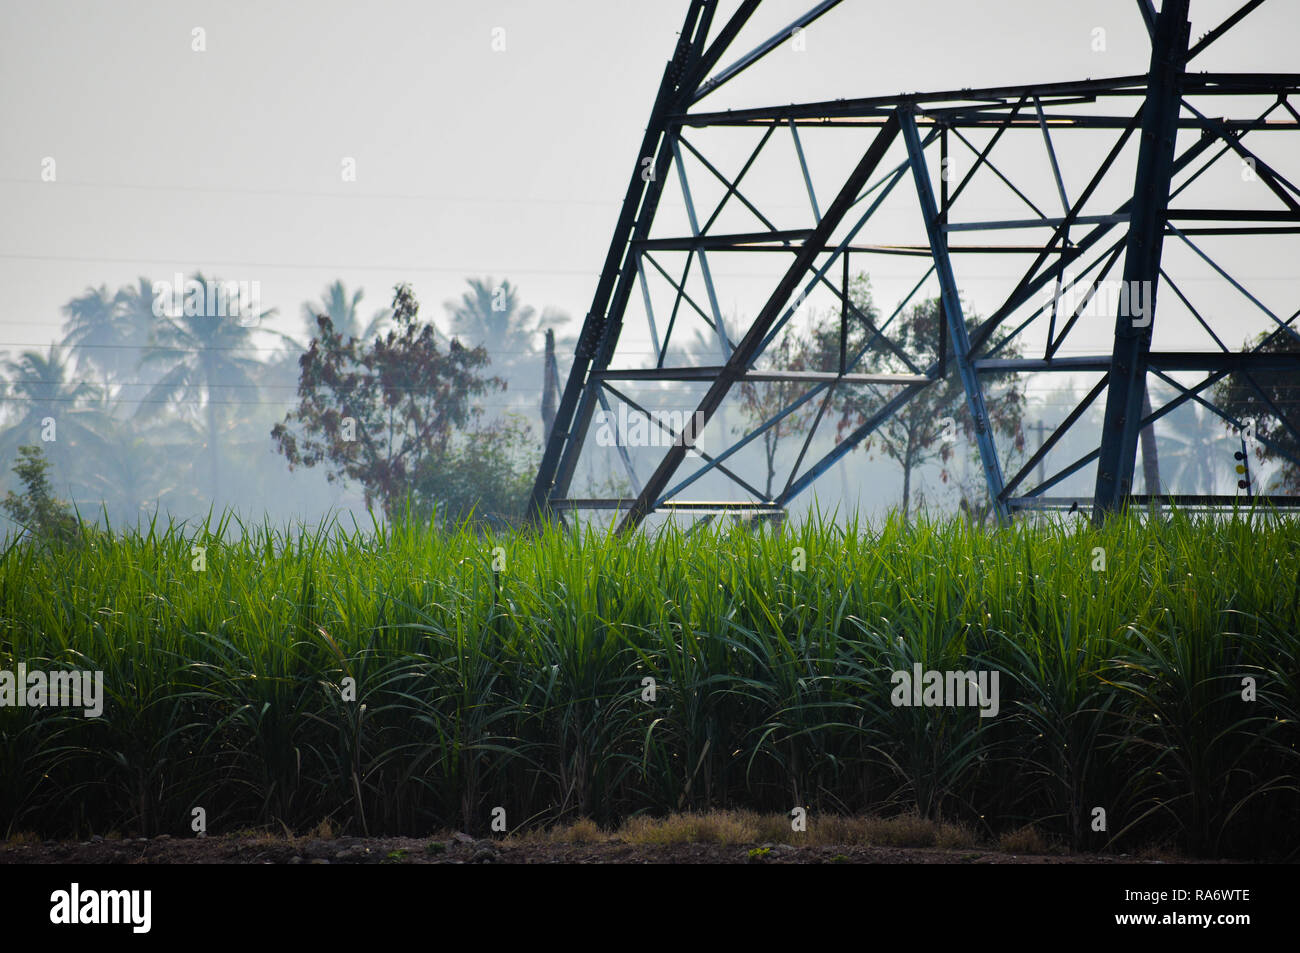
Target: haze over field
x,y
436,144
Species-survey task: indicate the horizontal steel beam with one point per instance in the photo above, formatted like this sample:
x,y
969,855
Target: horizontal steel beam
x,y
1164,360
1051,222
693,506
708,373
1233,215
741,241
1198,84
913,250
1145,499
990,120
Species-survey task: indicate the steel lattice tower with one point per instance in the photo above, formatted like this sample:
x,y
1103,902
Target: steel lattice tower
x,y
1165,130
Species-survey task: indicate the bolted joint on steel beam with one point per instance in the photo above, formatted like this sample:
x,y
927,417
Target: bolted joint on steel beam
x,y
593,331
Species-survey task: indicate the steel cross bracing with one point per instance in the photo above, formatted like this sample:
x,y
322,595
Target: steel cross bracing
x,y
1166,129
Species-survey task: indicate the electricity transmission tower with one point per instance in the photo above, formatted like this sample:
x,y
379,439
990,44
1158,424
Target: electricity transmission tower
x,y
1085,246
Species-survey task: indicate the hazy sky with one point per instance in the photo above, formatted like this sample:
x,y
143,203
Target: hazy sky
x,y
470,160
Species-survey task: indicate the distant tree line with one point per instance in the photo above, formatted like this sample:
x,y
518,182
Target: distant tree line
x,y
147,407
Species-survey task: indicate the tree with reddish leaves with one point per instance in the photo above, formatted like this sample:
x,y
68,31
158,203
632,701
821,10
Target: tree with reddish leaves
x,y
385,412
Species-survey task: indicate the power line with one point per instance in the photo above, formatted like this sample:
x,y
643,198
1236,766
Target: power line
x,y
15,256
195,403
464,270
357,194
304,193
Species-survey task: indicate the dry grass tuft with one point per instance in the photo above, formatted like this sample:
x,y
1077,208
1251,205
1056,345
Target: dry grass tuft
x,y
716,827
748,827
582,831
1026,840
903,830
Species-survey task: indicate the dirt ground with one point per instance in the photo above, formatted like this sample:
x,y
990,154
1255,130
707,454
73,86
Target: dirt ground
x,y
459,848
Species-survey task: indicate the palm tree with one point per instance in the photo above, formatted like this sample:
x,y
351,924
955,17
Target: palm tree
x,y
137,320
201,359
1200,449
1150,460
94,331
40,388
343,314
137,472
493,315
110,333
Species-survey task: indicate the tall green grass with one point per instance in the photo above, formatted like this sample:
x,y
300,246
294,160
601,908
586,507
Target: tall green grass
x,y
525,688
